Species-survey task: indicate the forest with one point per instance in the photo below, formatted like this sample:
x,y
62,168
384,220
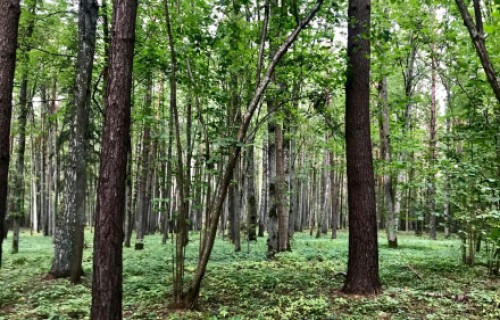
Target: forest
x,y
249,159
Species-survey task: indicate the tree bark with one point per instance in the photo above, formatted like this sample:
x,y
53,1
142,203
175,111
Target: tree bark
x,y
9,21
281,191
108,262
19,212
69,238
362,271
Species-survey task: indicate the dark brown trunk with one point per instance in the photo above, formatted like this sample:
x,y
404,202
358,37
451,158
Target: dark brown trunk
x,y
108,263
362,271
9,21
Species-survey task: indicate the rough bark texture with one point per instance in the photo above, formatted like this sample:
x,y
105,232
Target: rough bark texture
x,y
263,193
251,196
272,214
282,191
108,264
362,270
9,21
431,192
69,238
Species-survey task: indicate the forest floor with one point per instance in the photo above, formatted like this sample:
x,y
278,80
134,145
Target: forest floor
x,y
423,279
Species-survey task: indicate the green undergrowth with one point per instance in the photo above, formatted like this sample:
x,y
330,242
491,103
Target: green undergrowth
x,y
422,279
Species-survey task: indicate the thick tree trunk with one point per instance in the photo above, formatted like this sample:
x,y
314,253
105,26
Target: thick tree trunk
x,y
108,264
69,239
362,271
9,21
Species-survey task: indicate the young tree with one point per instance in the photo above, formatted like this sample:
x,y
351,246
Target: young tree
x,y
108,237
9,22
362,270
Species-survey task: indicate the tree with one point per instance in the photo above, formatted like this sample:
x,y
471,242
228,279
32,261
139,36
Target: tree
x,y
9,22
69,238
108,237
362,269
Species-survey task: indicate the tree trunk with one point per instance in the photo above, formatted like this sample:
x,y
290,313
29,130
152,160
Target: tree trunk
x,y
9,21
108,263
263,204
362,271
431,192
392,221
142,204
281,191
272,215
19,212
251,197
69,239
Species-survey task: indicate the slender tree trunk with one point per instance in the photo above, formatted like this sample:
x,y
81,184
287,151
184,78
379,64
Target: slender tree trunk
x,y
392,221
108,237
431,192
362,271
272,215
281,191
19,212
142,204
251,197
263,205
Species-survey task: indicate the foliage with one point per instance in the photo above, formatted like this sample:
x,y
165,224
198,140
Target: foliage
x,y
422,280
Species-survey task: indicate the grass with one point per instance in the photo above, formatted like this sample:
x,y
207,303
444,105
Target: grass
x,y
423,279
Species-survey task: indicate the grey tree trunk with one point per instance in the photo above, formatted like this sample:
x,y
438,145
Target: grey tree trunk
x,y
69,238
251,197
392,220
272,215
142,204
281,191
263,204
